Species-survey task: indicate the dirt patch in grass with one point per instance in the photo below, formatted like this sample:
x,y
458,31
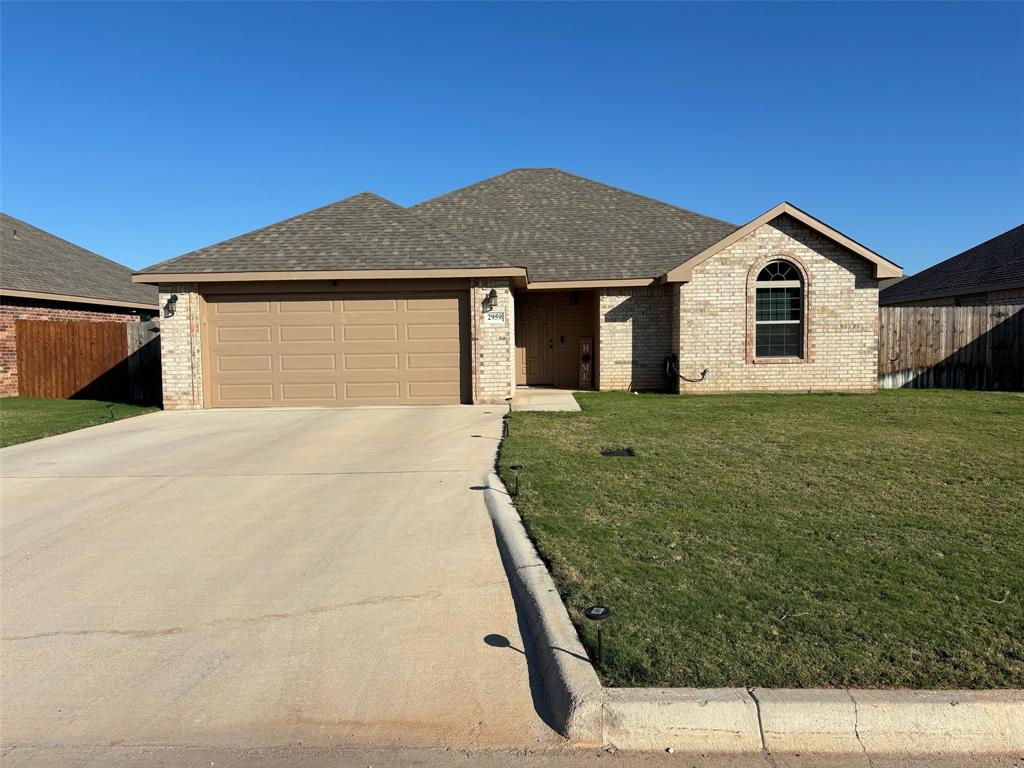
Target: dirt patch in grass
x,y
787,540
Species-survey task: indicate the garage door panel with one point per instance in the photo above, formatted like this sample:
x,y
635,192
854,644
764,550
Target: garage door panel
x,y
432,390
357,350
325,306
369,305
296,333
432,332
235,334
310,392
444,360
304,363
245,393
370,332
232,363
371,362
372,390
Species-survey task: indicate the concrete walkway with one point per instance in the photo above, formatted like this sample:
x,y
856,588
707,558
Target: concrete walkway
x,y
261,578
544,399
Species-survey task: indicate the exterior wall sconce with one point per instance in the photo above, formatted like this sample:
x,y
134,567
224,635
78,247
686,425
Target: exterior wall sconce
x,y
170,306
490,301
574,298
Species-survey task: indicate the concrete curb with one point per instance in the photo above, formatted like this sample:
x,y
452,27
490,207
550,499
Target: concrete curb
x,y
869,722
686,719
892,722
736,720
573,691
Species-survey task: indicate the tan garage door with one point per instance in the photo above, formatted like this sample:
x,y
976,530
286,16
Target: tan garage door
x,y
334,349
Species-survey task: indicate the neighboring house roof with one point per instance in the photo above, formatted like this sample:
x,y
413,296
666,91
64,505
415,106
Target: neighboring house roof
x,y
363,233
883,267
36,264
562,227
552,227
996,264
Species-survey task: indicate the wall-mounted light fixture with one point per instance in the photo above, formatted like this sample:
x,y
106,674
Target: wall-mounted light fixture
x,y
170,306
574,298
490,301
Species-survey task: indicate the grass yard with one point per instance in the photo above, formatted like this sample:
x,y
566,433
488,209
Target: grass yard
x,y
786,540
28,418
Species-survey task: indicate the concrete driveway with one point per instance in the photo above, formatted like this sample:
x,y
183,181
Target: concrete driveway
x,y
261,577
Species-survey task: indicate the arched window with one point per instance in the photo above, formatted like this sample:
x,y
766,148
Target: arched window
x,y
779,311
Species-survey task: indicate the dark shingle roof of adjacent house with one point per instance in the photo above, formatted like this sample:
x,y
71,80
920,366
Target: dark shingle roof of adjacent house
x,y
995,264
563,227
33,261
363,232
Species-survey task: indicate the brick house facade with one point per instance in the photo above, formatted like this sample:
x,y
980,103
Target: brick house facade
x,y
676,293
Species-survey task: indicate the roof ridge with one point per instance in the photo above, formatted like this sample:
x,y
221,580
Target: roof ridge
x,y
258,229
73,245
572,175
638,195
470,186
431,224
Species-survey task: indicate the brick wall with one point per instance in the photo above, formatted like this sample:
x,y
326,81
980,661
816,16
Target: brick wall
x,y
494,349
13,309
181,348
716,320
634,337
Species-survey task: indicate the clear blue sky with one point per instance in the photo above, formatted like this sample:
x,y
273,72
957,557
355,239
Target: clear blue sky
x,y
143,130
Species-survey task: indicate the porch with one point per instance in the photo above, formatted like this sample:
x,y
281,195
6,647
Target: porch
x,y
556,339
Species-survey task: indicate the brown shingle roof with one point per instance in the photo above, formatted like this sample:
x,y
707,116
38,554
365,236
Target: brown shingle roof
x,y
363,232
564,227
34,261
995,264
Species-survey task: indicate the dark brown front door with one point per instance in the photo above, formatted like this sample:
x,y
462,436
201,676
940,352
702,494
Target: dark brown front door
x,y
536,356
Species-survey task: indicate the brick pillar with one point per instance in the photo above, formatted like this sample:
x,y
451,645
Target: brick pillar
x,y
181,348
494,348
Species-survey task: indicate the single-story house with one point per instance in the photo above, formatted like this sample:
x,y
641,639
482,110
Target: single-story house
x,y
987,274
534,277
43,277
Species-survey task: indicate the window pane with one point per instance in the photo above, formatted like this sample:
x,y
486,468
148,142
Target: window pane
x,y
782,340
777,303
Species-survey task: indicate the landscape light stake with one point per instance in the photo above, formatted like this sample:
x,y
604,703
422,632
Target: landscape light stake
x,y
110,410
516,468
599,613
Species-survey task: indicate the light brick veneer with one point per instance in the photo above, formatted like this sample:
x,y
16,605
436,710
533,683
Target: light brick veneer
x,y
181,348
494,347
13,309
634,337
716,316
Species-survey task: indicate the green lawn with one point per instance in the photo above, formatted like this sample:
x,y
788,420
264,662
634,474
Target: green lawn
x,y
787,540
28,418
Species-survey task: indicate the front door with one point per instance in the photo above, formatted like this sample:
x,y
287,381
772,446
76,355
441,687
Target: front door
x,y
536,357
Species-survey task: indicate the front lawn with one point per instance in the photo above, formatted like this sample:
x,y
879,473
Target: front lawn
x,y
28,418
786,540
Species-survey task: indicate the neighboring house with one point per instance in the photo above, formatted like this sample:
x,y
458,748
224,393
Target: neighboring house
x,y
990,273
533,277
45,278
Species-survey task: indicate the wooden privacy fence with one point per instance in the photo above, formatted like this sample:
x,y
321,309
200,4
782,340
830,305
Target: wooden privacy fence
x,y
95,361
951,347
